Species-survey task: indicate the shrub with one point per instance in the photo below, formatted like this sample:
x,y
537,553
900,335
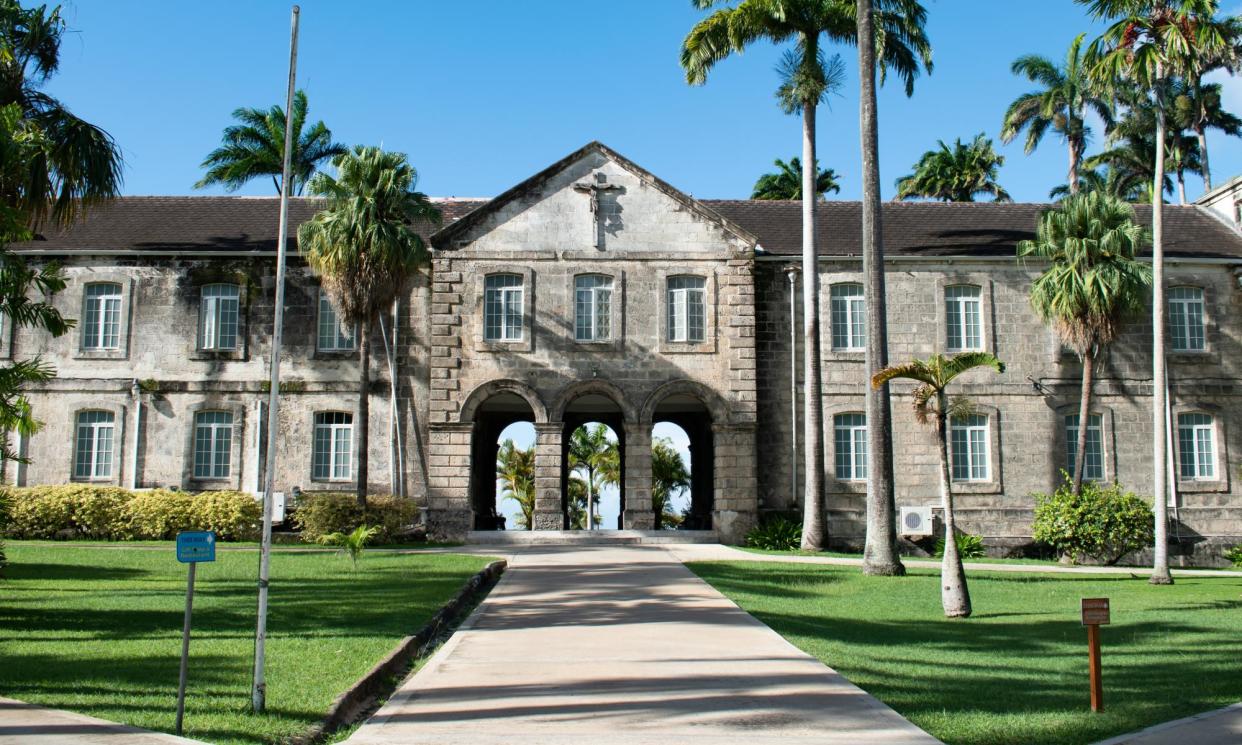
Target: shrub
x,y
969,546
112,513
233,515
320,515
1234,556
73,510
351,544
156,515
778,533
1103,523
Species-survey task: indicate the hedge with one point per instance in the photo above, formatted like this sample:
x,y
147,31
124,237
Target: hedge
x,y
112,513
320,514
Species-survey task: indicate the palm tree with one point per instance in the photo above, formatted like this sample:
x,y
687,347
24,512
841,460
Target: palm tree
x,y
1149,42
669,477
515,469
78,163
1181,148
1197,107
905,50
364,247
786,183
1129,163
932,403
255,147
593,452
1093,283
1066,95
1124,185
956,174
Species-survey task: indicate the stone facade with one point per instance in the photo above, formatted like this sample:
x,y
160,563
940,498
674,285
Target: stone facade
x,y
596,213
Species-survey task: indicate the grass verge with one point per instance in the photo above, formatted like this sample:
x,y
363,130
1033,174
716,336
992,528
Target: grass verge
x,y
1016,672
98,631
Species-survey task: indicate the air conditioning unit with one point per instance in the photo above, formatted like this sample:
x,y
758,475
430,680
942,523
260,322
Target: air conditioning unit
x,y
916,521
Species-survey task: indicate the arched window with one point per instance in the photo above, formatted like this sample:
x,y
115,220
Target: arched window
x,y
963,305
502,307
687,309
592,307
217,317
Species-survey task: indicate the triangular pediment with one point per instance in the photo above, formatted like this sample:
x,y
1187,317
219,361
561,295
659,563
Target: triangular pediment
x,y
594,199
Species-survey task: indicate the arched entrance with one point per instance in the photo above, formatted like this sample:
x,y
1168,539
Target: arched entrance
x,y
491,417
690,414
589,410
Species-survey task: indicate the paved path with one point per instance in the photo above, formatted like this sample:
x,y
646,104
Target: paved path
x,y
603,645
1212,728
26,724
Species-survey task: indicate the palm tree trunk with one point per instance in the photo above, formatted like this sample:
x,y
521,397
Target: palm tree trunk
x,y
954,595
880,555
363,426
813,533
1160,565
1181,185
590,490
1084,417
1201,131
1075,153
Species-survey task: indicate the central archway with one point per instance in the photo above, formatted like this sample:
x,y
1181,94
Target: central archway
x,y
592,407
491,417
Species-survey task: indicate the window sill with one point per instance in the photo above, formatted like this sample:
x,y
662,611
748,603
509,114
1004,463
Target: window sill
x,y
488,345
101,354
213,355
601,345
335,354
837,486
1201,487
1192,357
846,355
687,347
977,487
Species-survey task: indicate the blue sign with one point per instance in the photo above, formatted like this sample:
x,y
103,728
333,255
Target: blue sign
x,y
195,547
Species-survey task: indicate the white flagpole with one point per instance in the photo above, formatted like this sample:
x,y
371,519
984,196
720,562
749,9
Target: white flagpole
x,y
258,693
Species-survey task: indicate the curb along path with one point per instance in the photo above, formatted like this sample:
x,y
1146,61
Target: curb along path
x,y
608,645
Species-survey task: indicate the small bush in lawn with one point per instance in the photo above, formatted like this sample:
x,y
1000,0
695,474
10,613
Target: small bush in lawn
x,y
320,515
1234,556
969,546
1103,523
776,534
353,543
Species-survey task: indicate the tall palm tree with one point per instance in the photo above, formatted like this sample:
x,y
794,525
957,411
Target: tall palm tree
x,y
1124,185
1136,128
1128,162
669,477
932,403
1198,107
1093,283
593,452
515,469
1149,42
1067,93
956,174
79,164
786,183
905,51
364,247
255,147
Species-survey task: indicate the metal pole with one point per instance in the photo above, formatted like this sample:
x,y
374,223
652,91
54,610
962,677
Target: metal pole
x,y
258,692
185,647
792,273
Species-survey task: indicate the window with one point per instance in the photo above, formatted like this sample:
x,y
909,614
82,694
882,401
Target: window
x,y
1196,447
964,318
93,456
332,458
502,307
1093,468
101,324
687,309
849,320
592,307
213,444
332,336
851,446
217,318
1186,330
969,440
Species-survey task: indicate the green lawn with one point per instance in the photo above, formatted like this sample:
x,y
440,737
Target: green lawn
x,y
98,631
1016,672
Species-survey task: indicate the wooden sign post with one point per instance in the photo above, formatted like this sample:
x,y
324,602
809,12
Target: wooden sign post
x,y
1094,615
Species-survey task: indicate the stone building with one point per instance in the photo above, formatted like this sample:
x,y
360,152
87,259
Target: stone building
x,y
594,291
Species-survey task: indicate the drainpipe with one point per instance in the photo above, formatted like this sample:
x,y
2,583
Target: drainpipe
x,y
135,394
396,459
792,272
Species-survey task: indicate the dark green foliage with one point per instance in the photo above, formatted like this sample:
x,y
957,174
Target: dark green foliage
x,y
969,546
786,183
956,174
1233,555
1103,523
777,533
320,515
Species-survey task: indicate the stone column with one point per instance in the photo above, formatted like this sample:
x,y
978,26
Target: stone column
x,y
548,439
449,514
736,508
639,512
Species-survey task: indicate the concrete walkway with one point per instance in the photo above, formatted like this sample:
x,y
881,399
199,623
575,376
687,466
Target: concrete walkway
x,y
26,724
1213,728
604,645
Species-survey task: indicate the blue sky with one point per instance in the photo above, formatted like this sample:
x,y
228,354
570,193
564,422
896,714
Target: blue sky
x,y
483,94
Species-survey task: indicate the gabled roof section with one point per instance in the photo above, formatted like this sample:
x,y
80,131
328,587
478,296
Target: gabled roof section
x,y
447,238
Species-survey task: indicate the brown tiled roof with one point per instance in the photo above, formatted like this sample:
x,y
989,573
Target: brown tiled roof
x,y
248,225
195,224
953,229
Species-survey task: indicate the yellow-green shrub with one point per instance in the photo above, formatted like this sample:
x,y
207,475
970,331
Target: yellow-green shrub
x,y
321,514
80,510
112,513
156,515
233,515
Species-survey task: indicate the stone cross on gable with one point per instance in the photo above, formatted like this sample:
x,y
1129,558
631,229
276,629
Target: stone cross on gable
x,y
594,189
